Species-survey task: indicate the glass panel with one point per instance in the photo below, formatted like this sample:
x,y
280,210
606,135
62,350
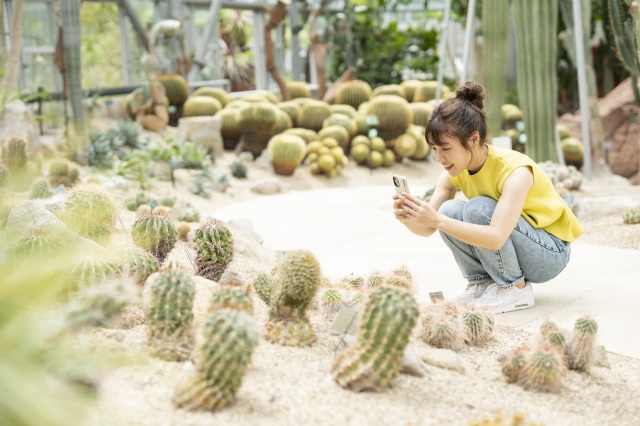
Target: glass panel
x,y
38,24
40,71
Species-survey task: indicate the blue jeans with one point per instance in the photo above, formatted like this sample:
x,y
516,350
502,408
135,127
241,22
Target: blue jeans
x,y
529,253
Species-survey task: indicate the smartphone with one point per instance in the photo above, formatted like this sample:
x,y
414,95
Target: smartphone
x,y
400,183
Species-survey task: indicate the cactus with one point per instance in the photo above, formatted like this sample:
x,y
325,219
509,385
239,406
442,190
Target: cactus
x,y
513,363
229,340
263,285
154,233
442,326
385,328
201,106
306,134
353,93
183,229
409,87
421,113
89,210
543,370
139,264
176,88
283,122
214,246
92,268
14,154
297,279
229,128
5,175
478,327
374,280
215,92
234,298
257,124
292,109
329,301
404,146
394,115
313,115
231,279
40,188
341,120
399,281
626,35
170,315
287,152
426,91
631,215
573,152
97,306
337,132
347,110
537,47
238,170
389,89
299,89
38,245
580,352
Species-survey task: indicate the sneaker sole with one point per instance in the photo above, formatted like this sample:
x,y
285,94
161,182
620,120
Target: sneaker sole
x,y
512,308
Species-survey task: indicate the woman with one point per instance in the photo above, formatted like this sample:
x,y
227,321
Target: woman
x,y
514,228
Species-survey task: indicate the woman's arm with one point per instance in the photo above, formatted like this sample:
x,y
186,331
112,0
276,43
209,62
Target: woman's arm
x,y
443,191
492,236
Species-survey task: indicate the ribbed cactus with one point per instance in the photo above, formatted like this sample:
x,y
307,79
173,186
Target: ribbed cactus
x,y
313,114
299,89
234,298
537,46
231,278
89,269
154,233
580,352
183,229
353,93
513,363
394,115
347,110
287,152
297,278
441,326
543,370
176,88
257,124
329,301
478,327
89,210
139,264
631,215
293,110
40,188
263,286
306,134
229,340
385,329
97,306
626,35
37,245
283,122
389,89
170,315
14,154
213,243
426,91
342,120
238,169
339,133
495,28
229,127
421,113
196,106
215,92
409,87
71,43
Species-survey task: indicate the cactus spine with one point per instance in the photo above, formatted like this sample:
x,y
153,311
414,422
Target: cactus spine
x,y
214,244
297,280
229,340
442,326
537,47
385,328
64,172
263,285
478,327
154,233
170,315
581,350
543,370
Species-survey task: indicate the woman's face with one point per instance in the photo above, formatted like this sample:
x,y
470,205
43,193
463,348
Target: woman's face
x,y
452,155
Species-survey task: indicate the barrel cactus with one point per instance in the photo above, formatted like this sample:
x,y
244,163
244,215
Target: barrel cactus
x,y
631,215
580,352
299,89
214,92
292,109
426,91
347,110
421,113
385,329
213,243
176,88
287,152
283,122
90,210
313,114
40,188
573,152
409,87
542,370
394,115
442,326
297,279
478,327
257,125
14,154
139,264
196,106
354,93
92,268
229,340
170,315
234,298
343,121
38,245
306,134
389,89
263,286
229,128
154,233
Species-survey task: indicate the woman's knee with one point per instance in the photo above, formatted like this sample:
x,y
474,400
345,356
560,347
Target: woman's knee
x,y
479,210
452,209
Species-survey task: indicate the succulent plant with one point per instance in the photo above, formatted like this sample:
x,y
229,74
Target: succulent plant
x,y
64,172
353,93
215,92
229,340
234,298
299,89
442,326
389,89
329,301
213,243
580,351
196,106
238,170
513,363
313,114
90,210
37,245
154,233
543,370
631,215
14,154
478,327
40,188
183,229
393,113
92,268
229,128
263,285
139,264
231,278
97,306
297,278
287,152
385,329
176,88
170,315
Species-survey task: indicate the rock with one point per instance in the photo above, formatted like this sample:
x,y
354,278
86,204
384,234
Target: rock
x,y
602,359
245,225
204,130
17,119
267,186
444,358
602,206
624,153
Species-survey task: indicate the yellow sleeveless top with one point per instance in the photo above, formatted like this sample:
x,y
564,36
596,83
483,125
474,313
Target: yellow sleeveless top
x,y
543,207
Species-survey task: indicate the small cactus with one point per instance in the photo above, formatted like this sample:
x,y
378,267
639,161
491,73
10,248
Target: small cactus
x,y
214,244
37,246
287,152
139,264
231,279
40,188
183,229
154,233
263,285
170,315
238,170
64,172
631,216
14,154
234,298
330,300
229,340
514,362
478,327
296,281
89,210
442,326
543,370
581,350
97,306
385,330
92,268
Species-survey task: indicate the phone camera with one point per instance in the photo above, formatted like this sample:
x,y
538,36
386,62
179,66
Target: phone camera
x,y
395,182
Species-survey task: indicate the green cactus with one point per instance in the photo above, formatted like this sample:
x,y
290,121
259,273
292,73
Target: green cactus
x,y
139,264
283,123
347,110
97,306
385,329
337,131
626,35
399,281
573,152
409,87
14,154
394,115
426,91
306,134
229,340
478,327
89,210
233,298
292,109
231,278
196,106
37,245
404,146
513,363
213,243
5,175
297,279
257,124
263,285
543,370
299,89
229,128
238,170
354,93
389,89
631,215
287,152
421,113
215,92
374,280
422,147
176,88
330,301
580,352
40,188
154,233
442,326
170,315
313,115
188,214
89,269
183,229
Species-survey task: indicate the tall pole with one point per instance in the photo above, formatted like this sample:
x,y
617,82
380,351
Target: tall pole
x,y
468,35
444,28
582,88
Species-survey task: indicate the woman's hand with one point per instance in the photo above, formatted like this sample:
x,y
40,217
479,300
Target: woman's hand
x,y
399,209
415,210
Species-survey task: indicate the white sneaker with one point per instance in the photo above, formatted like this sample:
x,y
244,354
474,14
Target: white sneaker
x,y
472,292
498,300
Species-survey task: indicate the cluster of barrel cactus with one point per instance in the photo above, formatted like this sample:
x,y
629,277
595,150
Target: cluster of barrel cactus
x,y
155,233
326,157
448,325
562,177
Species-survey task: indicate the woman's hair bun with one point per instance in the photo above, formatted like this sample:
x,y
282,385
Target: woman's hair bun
x,y
471,92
